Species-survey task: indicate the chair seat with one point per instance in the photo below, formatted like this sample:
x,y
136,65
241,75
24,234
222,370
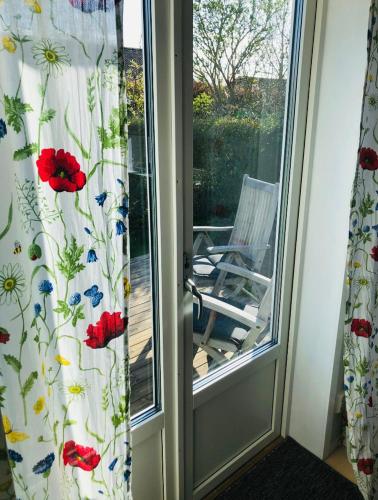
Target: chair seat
x,y
204,266
226,330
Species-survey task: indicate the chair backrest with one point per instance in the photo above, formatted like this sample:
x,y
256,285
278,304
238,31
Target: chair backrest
x,y
255,218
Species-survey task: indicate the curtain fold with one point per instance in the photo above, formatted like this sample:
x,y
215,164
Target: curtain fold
x,y
64,385
360,339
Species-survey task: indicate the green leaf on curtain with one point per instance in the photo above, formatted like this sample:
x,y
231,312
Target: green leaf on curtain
x,y
366,206
2,399
25,152
14,110
78,315
63,309
105,399
13,362
93,434
10,216
114,136
29,383
84,152
69,264
68,422
56,423
47,115
91,93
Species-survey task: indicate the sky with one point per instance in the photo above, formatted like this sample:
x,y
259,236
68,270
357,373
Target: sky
x,y
133,26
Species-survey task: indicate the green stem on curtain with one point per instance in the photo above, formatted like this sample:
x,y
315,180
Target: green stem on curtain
x,y
43,95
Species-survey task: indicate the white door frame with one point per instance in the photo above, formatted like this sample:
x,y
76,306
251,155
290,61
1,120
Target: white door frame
x,y
171,39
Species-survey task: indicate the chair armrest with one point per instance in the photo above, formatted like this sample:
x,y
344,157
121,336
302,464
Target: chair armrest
x,y
232,312
235,248
208,229
244,273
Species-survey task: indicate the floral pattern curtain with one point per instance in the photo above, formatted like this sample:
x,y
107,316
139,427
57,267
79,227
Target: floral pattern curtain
x,y
64,391
361,339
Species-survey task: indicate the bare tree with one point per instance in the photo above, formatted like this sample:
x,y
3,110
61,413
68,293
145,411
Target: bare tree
x,y
275,58
228,36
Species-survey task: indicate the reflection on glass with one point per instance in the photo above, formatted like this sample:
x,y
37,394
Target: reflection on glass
x,y
240,68
141,334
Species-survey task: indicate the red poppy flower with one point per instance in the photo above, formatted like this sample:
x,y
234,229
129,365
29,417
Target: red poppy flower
x,y
361,327
4,336
80,456
109,327
61,170
89,6
374,253
368,159
366,465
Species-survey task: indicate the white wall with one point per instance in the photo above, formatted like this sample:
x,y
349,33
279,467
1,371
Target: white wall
x,y
333,151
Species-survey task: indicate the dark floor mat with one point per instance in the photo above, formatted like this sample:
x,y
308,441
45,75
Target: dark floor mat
x,y
290,472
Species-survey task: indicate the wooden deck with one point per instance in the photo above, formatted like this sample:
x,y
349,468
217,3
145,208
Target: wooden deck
x,y
140,338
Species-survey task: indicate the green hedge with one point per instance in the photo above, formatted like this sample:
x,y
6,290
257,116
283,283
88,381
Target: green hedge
x,y
224,150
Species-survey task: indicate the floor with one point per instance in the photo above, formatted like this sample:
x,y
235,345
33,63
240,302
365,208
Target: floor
x,y
140,338
339,461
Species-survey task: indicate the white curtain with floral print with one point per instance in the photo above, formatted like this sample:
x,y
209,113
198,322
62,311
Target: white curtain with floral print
x,y
64,391
361,339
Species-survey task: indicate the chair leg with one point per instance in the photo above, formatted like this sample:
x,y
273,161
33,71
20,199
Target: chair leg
x,y
214,354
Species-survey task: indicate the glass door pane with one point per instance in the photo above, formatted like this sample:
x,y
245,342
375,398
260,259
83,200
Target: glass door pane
x,y
241,52
143,324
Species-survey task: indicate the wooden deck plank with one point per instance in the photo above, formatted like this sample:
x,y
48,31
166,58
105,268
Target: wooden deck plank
x,y
140,338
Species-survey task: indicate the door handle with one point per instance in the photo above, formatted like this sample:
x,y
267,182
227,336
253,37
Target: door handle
x,y
191,287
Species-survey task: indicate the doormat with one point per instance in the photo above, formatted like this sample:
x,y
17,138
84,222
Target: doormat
x,y
290,472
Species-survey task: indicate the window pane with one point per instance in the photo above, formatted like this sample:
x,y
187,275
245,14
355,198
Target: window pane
x,y
240,71
142,345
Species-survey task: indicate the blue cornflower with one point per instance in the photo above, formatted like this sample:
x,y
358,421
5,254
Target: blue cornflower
x,y
366,229
120,228
375,227
88,231
75,299
350,379
346,388
91,257
124,208
354,223
101,198
44,465
120,182
46,287
113,464
126,475
3,128
350,235
128,461
13,455
37,310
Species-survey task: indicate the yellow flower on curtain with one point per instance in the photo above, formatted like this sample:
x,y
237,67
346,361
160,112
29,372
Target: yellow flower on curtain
x,y
11,435
9,44
39,405
34,6
62,361
126,287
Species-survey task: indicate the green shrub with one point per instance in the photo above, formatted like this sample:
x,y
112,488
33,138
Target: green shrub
x,y
224,150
